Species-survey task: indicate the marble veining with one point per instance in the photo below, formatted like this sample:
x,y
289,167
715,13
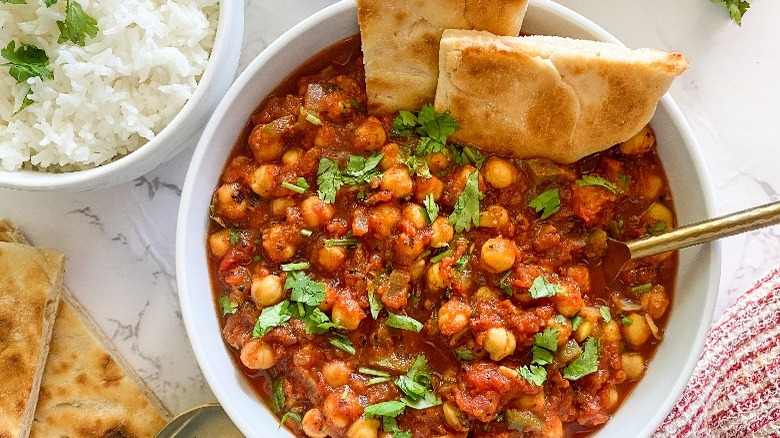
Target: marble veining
x,y
120,242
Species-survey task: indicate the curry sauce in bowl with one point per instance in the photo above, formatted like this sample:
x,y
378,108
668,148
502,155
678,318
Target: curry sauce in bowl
x,y
373,279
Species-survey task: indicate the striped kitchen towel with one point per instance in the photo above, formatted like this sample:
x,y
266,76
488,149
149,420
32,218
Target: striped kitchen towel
x,y
735,388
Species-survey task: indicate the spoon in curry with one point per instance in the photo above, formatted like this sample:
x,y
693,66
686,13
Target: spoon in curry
x,y
619,253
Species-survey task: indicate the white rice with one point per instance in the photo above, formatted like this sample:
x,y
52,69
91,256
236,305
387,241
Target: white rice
x,y
109,97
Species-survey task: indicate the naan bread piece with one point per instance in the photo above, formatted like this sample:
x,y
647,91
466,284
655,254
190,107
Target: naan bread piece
x,y
88,391
30,286
401,43
547,96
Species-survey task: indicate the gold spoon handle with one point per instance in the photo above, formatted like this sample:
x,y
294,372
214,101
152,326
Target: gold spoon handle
x,y
707,230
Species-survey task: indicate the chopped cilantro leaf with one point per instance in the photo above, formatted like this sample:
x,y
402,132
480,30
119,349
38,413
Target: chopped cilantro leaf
x,y
392,408
547,203
626,321
77,25
461,263
642,288
342,343
235,236
18,2
541,288
361,169
504,286
403,322
227,306
26,62
375,304
404,123
26,101
534,374
299,187
466,211
416,385
290,416
545,344
427,146
310,116
272,317
431,210
624,179
304,290
440,256
464,354
576,321
467,155
604,311
372,372
377,380
437,126
560,319
737,8
329,180
586,364
348,240
593,180
278,399
300,266
657,228
418,166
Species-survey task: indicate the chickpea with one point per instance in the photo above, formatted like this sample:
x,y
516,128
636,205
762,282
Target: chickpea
x,y
651,186
498,254
638,331
291,156
257,355
454,417
313,424
499,173
264,179
230,201
442,232
316,212
437,161
435,278
340,409
347,313
658,212
408,247
417,270
453,317
495,216
370,135
267,291
640,143
611,331
612,398
397,181
336,373
277,244
326,136
331,258
390,156
414,214
499,343
427,186
219,243
363,428
633,365
486,293
265,144
279,206
655,301
383,219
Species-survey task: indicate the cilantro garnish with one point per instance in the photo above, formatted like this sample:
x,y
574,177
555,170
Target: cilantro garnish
x,y
657,228
310,116
624,179
626,321
374,303
403,322
534,374
290,416
545,344
604,311
304,290
226,305
299,266
272,317
26,62
392,408
235,236
442,255
404,123
592,180
342,343
329,180
77,25
576,321
278,398
586,364
432,127
504,286
299,187
431,209
541,288
547,203
467,155
464,354
642,288
737,8
348,240
372,372
15,2
461,263
466,211
359,170
416,385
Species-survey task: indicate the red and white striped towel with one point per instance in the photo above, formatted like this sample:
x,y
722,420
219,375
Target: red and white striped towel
x,y
735,388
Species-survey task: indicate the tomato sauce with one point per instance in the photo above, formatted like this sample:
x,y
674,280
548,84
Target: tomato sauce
x,y
374,281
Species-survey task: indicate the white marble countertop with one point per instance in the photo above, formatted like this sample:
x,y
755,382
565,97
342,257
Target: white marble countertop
x,y
120,241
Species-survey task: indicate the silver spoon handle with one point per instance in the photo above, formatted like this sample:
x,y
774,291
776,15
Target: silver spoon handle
x,y
707,230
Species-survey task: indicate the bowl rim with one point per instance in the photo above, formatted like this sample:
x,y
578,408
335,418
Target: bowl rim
x,y
87,178
187,301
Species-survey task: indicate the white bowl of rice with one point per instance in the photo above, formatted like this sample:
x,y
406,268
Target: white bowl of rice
x,y
132,96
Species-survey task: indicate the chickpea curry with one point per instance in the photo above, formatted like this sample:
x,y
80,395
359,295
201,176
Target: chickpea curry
x,y
375,280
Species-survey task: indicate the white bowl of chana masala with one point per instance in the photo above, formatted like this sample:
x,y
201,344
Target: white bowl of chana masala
x,y
97,93
394,223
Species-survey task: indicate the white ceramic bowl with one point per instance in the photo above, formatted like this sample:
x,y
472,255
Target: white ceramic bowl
x,y
698,276
174,137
